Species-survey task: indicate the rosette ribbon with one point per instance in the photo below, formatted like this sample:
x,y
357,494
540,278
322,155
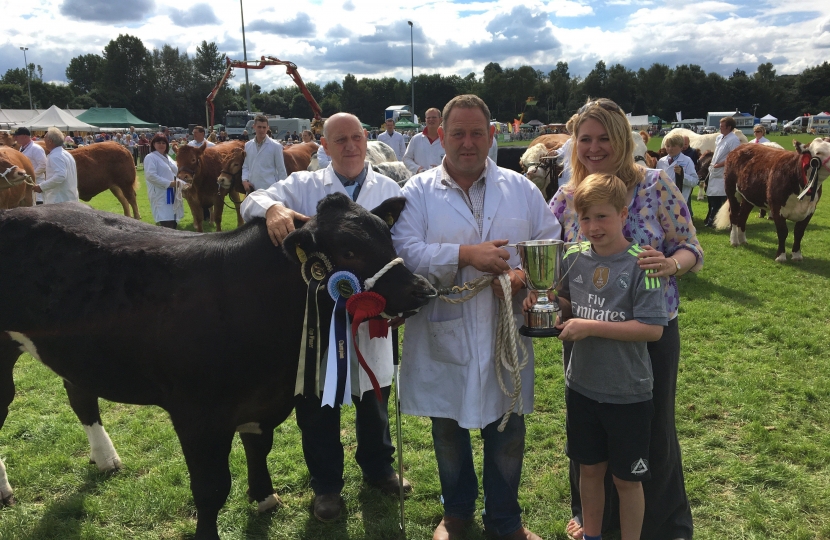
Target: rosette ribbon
x,y
314,270
362,306
341,286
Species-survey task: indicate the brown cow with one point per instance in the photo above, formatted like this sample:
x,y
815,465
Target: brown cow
x,y
788,184
15,170
551,141
107,166
6,139
200,166
297,158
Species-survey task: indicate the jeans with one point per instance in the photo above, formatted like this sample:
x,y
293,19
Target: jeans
x,y
323,451
503,455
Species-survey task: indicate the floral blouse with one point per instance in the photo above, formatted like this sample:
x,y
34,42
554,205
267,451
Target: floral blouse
x,y
657,216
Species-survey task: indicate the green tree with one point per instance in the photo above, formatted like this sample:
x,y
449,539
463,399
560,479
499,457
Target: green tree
x,y
127,77
596,83
83,72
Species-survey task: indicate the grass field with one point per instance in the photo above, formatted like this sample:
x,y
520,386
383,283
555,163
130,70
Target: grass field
x,y
753,412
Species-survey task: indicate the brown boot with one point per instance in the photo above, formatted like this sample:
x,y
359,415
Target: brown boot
x,y
451,528
327,507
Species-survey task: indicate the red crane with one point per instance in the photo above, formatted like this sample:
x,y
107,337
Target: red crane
x,y
290,69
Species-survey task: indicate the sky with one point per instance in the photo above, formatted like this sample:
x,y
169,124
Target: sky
x,y
329,38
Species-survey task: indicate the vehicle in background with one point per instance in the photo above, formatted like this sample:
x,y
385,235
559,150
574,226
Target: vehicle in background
x,y
690,123
236,122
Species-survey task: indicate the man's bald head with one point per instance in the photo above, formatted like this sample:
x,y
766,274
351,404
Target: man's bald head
x,y
685,142
344,140
340,119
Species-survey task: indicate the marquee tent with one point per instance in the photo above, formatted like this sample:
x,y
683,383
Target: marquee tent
x,y
114,118
769,118
57,117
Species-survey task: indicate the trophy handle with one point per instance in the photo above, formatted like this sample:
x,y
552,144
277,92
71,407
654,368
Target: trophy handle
x,y
578,253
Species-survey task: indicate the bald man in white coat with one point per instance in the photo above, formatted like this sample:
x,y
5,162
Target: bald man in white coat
x,y
296,198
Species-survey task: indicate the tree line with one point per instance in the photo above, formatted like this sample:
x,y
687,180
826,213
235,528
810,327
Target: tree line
x,y
168,86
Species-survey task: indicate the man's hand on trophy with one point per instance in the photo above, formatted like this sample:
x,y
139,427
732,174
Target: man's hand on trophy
x,y
487,257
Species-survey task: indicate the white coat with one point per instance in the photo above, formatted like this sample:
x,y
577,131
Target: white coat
x,y
422,155
690,179
300,192
159,171
395,141
448,368
61,183
263,166
37,155
723,145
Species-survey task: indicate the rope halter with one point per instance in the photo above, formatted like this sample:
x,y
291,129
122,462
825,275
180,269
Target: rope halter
x,y
370,282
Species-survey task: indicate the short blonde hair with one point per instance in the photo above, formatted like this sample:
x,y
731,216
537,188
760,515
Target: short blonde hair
x,y
600,188
613,120
674,139
759,127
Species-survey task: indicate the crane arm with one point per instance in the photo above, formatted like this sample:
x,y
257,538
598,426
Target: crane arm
x,y
290,68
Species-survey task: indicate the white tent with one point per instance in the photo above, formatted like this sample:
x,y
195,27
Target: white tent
x,y
769,118
57,117
638,121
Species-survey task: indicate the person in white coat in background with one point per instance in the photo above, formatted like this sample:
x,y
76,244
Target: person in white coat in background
x,y
36,154
493,153
393,139
264,163
454,227
61,182
163,187
296,198
424,150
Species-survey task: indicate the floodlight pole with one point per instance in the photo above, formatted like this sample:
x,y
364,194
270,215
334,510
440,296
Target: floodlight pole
x,y
412,75
245,57
26,68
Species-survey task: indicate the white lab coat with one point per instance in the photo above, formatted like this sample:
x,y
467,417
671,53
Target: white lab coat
x,y
422,154
159,171
723,145
395,141
493,153
447,369
690,179
37,156
265,166
323,159
61,183
300,192
198,144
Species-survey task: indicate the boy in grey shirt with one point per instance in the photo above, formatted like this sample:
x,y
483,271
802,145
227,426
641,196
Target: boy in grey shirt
x,y
616,309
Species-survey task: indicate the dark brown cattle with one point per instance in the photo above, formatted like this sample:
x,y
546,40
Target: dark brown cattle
x,y
200,166
703,163
107,166
788,184
15,168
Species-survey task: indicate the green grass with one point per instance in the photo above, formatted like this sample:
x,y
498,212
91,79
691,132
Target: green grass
x,y
753,412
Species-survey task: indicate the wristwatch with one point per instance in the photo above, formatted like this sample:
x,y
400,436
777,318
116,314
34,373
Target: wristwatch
x,y
676,265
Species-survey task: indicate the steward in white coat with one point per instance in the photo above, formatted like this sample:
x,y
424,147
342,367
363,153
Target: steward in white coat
x,y
421,154
37,156
395,141
159,171
61,183
263,164
301,192
447,368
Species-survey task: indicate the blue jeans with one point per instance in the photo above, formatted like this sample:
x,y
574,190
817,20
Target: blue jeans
x,y
323,451
503,455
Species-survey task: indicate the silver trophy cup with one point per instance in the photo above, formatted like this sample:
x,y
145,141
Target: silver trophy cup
x,y
542,264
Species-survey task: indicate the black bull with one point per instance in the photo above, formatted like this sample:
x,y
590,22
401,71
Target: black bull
x,y
144,315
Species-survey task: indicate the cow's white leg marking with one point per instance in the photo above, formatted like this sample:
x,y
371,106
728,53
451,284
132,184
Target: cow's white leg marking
x,y
102,452
5,488
250,427
26,344
270,502
797,256
782,257
733,235
741,237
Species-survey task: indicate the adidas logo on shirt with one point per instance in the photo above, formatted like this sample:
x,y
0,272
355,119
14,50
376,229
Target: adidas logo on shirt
x,y
578,279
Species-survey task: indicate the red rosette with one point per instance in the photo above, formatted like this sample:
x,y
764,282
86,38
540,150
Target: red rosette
x,y
362,306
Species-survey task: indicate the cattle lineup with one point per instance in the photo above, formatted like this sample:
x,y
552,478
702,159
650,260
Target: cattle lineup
x,y
282,326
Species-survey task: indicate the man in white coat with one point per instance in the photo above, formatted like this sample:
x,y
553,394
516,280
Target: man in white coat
x,y
263,163
296,198
457,219
716,190
425,150
199,138
393,139
61,182
36,154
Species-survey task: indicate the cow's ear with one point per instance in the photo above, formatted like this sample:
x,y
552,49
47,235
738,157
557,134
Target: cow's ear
x,y
390,210
299,245
798,146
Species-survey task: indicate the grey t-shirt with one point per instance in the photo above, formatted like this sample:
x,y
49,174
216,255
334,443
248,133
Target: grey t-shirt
x,y
612,288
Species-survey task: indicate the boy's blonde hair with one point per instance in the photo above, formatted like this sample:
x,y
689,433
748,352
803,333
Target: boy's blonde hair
x,y
673,139
600,188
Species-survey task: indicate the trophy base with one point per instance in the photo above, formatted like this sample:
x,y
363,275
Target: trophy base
x,y
539,332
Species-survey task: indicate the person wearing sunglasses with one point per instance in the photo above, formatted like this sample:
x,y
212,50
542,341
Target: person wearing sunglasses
x,y
659,221
759,131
